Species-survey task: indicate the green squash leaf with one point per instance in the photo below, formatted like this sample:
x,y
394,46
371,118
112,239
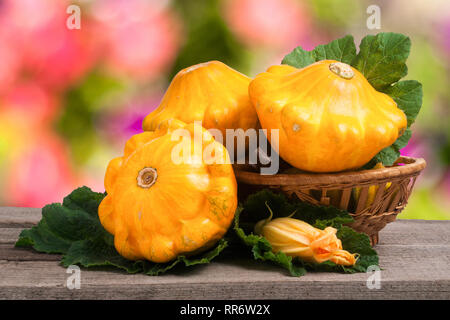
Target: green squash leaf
x,y
408,95
73,229
42,239
254,209
84,199
342,49
299,58
262,250
387,157
359,243
98,253
153,269
381,58
403,140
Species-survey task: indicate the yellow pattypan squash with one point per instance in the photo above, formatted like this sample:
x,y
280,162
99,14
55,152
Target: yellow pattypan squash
x,y
158,208
328,115
210,92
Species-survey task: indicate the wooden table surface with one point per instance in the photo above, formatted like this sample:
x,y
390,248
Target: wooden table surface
x,y
414,257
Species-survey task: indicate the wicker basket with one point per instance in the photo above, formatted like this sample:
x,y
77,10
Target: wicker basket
x,y
337,189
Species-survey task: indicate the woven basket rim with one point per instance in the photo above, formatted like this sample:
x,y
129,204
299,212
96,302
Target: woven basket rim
x,y
411,167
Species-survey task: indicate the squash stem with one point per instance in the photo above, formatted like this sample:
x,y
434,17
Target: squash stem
x,y
147,177
343,70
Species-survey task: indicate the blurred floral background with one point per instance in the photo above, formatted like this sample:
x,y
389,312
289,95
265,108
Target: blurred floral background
x,y
70,98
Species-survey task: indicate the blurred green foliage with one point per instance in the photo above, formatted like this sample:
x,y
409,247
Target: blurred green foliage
x,y
81,107
422,205
425,64
204,36
207,37
337,12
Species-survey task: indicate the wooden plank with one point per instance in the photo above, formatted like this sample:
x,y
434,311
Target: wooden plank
x,y
414,257
19,217
415,232
9,253
404,276
400,232
9,235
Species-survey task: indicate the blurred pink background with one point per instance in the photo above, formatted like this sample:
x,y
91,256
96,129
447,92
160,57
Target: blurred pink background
x,y
70,98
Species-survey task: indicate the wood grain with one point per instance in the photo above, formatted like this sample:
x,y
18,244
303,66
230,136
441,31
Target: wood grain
x,y
19,217
414,257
